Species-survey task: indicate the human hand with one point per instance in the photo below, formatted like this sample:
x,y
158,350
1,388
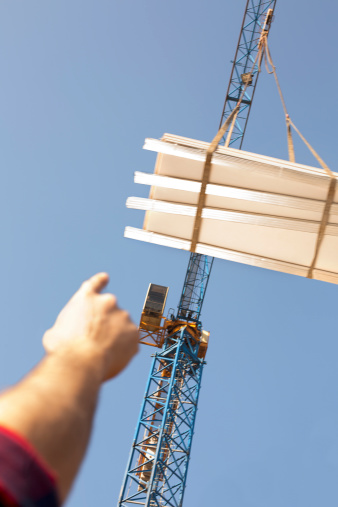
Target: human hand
x,y
94,328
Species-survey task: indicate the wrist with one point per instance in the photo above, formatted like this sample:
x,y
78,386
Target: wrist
x,y
80,359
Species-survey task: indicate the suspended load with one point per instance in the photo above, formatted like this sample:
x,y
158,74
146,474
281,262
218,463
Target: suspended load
x,y
247,208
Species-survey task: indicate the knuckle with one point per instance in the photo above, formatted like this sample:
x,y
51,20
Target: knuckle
x,y
134,331
45,339
85,286
137,342
125,315
46,335
110,300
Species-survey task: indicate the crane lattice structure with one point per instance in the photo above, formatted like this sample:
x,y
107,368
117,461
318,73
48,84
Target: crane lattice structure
x,y
158,463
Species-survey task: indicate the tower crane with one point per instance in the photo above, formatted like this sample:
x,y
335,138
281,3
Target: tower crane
x,y
157,467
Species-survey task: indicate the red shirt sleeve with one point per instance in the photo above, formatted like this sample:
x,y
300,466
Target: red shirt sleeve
x,y
25,480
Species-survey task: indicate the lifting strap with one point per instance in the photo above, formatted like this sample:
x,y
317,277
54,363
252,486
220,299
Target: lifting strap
x,y
332,184
228,139
326,214
268,61
329,200
264,51
291,149
206,175
211,150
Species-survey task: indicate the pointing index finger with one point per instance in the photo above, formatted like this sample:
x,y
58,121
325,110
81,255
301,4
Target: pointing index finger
x,y
98,282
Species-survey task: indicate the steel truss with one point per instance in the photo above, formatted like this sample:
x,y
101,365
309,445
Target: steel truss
x,y
157,467
158,464
194,287
254,22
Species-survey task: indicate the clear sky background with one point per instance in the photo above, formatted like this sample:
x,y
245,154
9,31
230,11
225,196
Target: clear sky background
x,y
83,82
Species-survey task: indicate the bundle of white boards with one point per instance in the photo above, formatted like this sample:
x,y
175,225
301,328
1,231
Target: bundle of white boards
x,y
258,210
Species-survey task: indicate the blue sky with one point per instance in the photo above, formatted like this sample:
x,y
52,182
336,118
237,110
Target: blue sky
x,y
82,84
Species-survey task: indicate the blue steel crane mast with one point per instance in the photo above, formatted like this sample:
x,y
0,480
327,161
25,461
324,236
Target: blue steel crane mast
x,y
158,463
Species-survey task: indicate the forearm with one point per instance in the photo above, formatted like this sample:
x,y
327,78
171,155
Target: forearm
x,y
53,409
92,340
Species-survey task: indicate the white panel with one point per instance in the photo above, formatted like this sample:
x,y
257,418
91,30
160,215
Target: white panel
x,y
200,146
163,223
252,260
262,208
258,210
158,239
248,175
220,196
214,214
285,245
179,196
328,254
231,159
222,253
178,167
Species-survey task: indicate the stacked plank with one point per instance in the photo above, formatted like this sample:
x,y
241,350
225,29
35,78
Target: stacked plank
x,y
258,210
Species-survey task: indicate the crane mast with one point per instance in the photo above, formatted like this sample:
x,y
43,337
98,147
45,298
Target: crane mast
x,y
158,463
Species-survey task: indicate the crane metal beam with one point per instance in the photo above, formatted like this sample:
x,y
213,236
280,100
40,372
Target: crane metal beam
x,y
194,287
158,464
257,19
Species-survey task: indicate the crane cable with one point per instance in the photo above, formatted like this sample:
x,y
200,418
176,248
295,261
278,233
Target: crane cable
x,y
333,178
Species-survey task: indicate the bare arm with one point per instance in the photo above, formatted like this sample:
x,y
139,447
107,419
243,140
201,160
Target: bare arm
x,y
91,341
